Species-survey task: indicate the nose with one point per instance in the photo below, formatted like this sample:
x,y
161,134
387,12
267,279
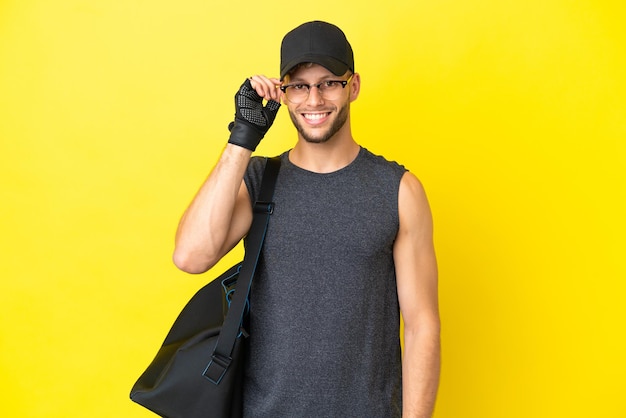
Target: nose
x,y
315,96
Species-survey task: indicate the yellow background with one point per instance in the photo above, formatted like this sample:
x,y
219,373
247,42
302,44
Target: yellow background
x,y
512,113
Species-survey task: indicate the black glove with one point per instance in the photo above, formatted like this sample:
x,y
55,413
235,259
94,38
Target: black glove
x,y
252,120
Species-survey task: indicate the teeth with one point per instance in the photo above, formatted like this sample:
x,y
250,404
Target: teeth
x,y
314,116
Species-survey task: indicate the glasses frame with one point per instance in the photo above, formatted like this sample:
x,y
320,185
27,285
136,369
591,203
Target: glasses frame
x,y
284,87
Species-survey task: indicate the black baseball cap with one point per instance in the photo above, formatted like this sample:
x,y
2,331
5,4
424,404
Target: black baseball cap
x,y
318,42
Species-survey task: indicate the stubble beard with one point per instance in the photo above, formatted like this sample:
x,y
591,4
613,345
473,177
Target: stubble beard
x,y
340,120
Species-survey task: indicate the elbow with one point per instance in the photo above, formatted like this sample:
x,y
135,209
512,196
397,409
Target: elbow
x,y
426,325
189,262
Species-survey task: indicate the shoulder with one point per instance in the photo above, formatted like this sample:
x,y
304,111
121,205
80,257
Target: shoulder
x,y
413,205
412,186
256,165
380,172
254,174
380,161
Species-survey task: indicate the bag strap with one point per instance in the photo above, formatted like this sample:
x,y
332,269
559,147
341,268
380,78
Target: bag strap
x,y
263,209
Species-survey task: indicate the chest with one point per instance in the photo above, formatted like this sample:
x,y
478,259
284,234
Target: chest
x,y
352,213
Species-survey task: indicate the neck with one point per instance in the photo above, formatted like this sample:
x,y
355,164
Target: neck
x,y
326,157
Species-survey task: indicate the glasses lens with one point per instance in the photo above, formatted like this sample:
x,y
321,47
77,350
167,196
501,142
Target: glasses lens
x,y
297,94
329,90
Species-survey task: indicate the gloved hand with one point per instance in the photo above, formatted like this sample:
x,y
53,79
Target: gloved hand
x,y
252,119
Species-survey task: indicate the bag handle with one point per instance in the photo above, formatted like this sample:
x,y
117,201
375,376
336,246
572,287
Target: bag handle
x,y
263,209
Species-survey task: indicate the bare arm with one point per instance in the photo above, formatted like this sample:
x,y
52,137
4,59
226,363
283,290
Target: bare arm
x,y
416,271
218,217
220,214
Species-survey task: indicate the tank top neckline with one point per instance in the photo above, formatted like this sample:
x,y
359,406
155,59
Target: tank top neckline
x,y
287,162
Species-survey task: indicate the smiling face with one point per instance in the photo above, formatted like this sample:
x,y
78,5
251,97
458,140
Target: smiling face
x,y
317,119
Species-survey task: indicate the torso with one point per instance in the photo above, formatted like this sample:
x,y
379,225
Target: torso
x,y
324,310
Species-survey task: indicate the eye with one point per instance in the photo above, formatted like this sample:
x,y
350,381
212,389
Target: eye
x,y
330,84
299,87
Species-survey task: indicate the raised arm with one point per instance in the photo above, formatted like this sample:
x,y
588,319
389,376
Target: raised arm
x,y
416,273
220,214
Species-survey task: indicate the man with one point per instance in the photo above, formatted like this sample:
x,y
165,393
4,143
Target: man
x,y
348,248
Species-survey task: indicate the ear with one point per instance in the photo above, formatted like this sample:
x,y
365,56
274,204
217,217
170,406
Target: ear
x,y
355,86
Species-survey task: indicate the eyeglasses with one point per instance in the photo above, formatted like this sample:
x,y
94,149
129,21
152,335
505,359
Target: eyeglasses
x,y
329,89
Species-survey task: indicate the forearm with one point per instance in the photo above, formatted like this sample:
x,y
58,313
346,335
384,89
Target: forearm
x,y
420,370
204,231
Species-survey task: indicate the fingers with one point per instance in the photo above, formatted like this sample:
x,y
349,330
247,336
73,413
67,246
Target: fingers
x,y
267,88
